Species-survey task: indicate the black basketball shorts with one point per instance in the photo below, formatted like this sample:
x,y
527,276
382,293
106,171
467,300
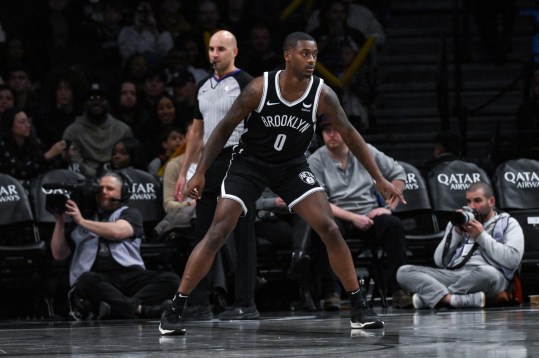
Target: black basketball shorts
x,y
248,176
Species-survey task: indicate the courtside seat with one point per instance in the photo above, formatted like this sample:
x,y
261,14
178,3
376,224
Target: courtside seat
x,y
420,222
22,253
447,184
516,183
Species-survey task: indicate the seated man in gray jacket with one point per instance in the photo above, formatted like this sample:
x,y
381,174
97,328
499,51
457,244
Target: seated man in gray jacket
x,y
107,274
476,259
357,209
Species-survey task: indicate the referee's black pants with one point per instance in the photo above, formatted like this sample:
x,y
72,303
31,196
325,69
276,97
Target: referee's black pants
x,y
238,255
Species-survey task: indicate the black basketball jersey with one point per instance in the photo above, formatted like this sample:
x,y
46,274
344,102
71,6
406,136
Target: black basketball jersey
x,y
279,130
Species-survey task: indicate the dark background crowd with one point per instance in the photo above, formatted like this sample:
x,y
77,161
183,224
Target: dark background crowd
x,y
51,52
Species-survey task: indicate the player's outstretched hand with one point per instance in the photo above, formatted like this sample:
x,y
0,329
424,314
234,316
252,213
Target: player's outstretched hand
x,y
194,187
390,193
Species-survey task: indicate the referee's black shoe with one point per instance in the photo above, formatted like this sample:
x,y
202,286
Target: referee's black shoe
x,y
171,322
364,317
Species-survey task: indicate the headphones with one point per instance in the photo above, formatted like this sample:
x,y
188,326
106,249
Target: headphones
x,y
126,181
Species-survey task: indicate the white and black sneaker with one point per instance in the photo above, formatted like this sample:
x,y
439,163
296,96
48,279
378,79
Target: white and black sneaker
x,y
171,322
364,317
470,300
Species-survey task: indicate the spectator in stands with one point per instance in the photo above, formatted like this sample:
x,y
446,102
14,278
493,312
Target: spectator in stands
x,y
125,107
26,98
135,69
16,55
333,33
356,207
176,62
259,55
62,103
179,215
107,274
126,153
172,171
184,89
22,156
359,17
447,147
475,260
145,37
171,138
107,31
173,17
153,88
197,62
285,230
208,18
7,98
164,115
339,43
68,161
237,18
96,131
58,36
208,22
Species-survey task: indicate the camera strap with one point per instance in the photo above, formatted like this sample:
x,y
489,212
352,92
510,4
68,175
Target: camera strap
x,y
497,233
459,250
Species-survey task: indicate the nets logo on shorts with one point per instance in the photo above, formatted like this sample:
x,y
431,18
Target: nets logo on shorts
x,y
307,177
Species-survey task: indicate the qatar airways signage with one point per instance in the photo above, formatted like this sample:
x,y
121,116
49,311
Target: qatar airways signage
x,y
411,182
143,191
458,181
522,179
9,193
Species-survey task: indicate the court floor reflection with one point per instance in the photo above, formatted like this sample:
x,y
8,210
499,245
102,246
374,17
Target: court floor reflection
x,y
502,332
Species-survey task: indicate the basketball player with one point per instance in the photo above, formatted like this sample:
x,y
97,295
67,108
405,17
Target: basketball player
x,y
283,108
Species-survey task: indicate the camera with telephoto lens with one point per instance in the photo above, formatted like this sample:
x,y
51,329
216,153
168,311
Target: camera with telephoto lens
x,y
81,193
464,216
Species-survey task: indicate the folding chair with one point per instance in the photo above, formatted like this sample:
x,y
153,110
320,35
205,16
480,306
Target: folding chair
x,y
447,185
420,223
22,253
56,280
516,183
147,197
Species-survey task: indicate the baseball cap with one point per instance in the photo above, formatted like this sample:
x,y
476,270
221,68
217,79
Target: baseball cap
x,y
96,91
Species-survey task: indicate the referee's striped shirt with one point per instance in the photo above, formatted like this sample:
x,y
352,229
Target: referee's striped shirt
x,y
214,99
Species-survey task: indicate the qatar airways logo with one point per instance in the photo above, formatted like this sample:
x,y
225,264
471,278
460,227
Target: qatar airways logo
x,y
522,180
411,182
459,181
143,191
9,193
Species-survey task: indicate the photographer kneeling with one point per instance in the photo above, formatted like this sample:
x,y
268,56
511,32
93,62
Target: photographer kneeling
x,y
107,274
477,258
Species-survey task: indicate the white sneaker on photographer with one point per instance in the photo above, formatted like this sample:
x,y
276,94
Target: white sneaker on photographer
x,y
471,300
418,302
